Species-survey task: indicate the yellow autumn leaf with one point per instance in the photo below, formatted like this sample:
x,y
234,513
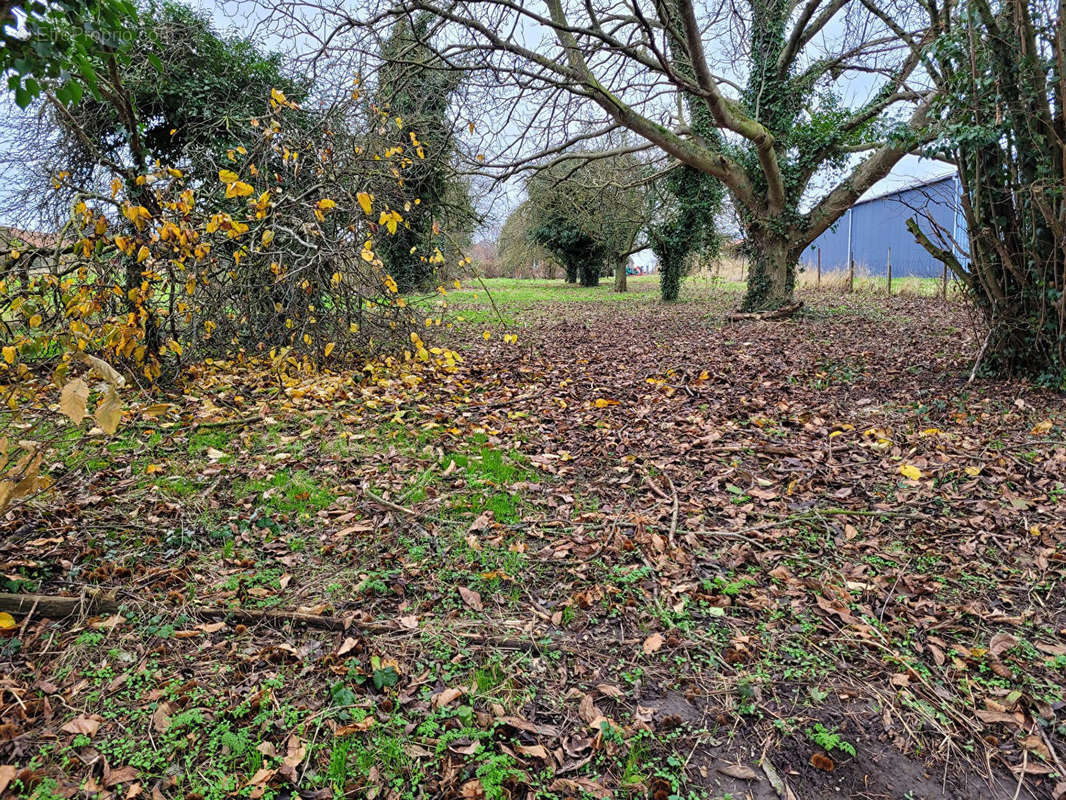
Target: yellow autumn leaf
x,y
973,472
390,219
602,402
1041,427
228,176
486,335
7,622
35,321
328,348
143,253
238,189
9,354
365,202
153,468
910,471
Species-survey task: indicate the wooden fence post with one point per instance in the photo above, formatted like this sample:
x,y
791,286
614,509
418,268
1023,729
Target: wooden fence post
x,y
890,271
851,275
819,268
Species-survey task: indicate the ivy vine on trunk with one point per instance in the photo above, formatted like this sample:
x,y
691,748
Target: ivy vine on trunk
x,y
1004,102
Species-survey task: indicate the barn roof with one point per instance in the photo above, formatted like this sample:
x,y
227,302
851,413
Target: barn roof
x,y
916,183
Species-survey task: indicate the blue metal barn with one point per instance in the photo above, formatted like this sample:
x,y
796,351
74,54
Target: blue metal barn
x,y
877,225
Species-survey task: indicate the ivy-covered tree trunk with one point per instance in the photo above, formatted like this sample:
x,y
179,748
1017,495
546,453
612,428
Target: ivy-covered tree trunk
x,y
571,272
620,274
590,274
1001,74
771,271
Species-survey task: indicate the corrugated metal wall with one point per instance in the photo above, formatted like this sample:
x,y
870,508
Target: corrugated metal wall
x,y
873,227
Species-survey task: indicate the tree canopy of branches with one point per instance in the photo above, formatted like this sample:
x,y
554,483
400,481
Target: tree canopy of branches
x,y
414,90
1004,104
180,99
812,101
587,210
56,41
518,252
247,227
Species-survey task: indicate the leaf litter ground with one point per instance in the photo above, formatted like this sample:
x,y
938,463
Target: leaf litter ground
x,y
638,553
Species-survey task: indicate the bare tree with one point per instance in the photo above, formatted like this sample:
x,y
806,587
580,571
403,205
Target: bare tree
x,y
518,252
590,210
810,102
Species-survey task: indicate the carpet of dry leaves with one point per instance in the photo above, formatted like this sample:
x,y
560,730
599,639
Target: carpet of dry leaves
x,y
640,552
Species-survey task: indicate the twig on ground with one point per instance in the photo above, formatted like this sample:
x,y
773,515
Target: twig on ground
x,y
673,513
779,784
1021,773
381,501
651,485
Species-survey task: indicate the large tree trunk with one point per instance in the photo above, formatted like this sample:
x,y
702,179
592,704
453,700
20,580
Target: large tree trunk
x,y
620,274
771,272
590,275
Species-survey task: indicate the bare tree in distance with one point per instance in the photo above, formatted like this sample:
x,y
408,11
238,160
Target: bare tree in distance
x,y
811,101
591,210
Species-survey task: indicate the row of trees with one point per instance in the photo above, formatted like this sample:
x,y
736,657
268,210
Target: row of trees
x,y
586,211
789,110
756,97
794,109
589,211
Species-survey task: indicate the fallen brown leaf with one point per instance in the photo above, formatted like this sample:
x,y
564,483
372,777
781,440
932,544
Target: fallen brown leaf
x,y
738,771
471,598
85,725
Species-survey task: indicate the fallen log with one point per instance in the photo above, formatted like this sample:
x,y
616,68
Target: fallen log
x,y
775,313
58,607
96,603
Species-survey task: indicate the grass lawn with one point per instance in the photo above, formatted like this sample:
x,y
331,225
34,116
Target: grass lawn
x,y
640,552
